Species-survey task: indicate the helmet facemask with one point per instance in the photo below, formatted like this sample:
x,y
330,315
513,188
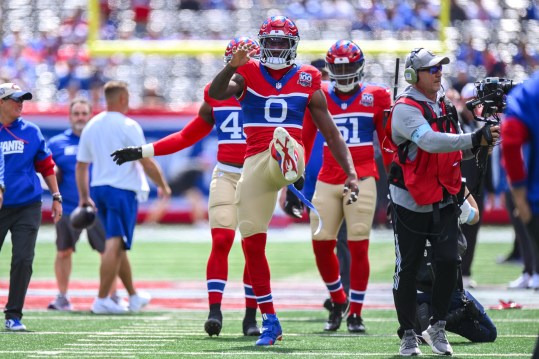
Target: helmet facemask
x,y
278,51
345,74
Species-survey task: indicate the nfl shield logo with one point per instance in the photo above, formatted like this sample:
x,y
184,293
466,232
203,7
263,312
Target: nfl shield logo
x,y
344,105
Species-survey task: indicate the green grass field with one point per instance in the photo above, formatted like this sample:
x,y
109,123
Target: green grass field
x,y
179,333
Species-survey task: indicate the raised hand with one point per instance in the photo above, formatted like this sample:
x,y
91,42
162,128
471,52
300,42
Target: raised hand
x,y
241,54
126,154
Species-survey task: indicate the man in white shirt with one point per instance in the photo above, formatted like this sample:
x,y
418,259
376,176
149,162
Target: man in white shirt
x,y
115,192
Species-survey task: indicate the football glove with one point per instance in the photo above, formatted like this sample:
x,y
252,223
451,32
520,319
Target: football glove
x,y
293,205
126,154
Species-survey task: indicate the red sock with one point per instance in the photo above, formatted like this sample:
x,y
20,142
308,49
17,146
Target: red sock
x,y
257,264
359,274
217,267
328,266
250,298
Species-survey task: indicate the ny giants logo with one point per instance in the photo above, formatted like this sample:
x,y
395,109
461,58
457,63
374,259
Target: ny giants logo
x,y
305,79
9,147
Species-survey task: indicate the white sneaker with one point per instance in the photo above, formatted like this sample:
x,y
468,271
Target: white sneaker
x,y
107,306
14,325
521,282
437,339
409,344
121,301
138,301
534,281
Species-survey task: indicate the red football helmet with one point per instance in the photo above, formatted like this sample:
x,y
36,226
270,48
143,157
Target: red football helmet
x,y
278,37
235,41
345,63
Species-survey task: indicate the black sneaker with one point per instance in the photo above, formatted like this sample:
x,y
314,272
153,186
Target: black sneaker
x,y
214,323
335,317
355,324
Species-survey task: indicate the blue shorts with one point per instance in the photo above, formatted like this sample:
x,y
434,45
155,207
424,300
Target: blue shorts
x,y
117,209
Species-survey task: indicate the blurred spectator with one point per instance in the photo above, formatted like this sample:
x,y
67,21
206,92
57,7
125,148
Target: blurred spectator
x,y
526,56
456,12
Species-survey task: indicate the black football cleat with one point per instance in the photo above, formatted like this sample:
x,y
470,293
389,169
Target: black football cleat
x,y
355,324
249,323
335,317
250,329
214,323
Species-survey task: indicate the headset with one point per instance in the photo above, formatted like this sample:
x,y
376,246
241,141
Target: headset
x,y
410,73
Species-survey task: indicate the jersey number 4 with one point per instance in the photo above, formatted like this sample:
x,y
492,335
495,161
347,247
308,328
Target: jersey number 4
x,y
232,126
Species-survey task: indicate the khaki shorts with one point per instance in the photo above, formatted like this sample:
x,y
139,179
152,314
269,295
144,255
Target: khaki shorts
x,y
257,191
331,205
222,211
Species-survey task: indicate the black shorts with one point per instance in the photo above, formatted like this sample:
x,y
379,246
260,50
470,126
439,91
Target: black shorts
x,y
67,236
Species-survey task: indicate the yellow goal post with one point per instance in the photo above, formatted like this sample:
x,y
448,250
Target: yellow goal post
x,y
99,47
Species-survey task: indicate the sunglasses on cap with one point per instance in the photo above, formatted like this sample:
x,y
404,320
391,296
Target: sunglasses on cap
x,y
433,69
19,100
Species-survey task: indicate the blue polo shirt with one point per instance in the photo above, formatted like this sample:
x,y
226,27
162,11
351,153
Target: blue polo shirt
x,y
64,152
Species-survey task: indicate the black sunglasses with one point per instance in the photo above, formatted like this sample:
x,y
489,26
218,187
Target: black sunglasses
x,y
19,100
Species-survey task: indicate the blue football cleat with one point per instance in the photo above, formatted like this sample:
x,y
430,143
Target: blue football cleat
x,y
271,330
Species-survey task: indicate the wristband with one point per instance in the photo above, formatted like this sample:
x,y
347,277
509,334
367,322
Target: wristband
x,y
147,150
471,215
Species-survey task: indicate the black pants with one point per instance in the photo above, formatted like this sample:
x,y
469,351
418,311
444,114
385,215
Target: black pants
x,y
411,230
533,238
23,223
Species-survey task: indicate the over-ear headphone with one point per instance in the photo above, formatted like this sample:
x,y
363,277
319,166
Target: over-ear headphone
x,y
410,73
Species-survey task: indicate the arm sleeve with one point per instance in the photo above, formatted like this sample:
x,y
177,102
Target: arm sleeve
x,y
409,122
193,132
514,134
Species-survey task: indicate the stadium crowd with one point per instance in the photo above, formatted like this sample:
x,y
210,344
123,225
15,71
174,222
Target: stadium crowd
x,y
43,49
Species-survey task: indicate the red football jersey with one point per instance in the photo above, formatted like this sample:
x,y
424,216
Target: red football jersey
x,y
268,103
357,117
228,119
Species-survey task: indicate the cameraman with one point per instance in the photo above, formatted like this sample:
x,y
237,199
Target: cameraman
x,y
466,316
424,179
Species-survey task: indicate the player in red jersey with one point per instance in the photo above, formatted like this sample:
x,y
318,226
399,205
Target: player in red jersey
x,y
226,117
358,110
274,95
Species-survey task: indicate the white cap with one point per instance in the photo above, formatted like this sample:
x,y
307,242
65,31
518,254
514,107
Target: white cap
x,y
423,58
468,91
14,91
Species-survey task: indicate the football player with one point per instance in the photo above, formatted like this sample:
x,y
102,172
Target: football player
x,y
357,109
274,94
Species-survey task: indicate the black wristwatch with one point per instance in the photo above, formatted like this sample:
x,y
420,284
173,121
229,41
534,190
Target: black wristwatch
x,y
57,197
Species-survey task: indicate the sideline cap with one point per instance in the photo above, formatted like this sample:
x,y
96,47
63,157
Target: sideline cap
x,y
11,90
422,58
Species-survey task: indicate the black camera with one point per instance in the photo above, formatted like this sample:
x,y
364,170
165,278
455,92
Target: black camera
x,y
491,93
